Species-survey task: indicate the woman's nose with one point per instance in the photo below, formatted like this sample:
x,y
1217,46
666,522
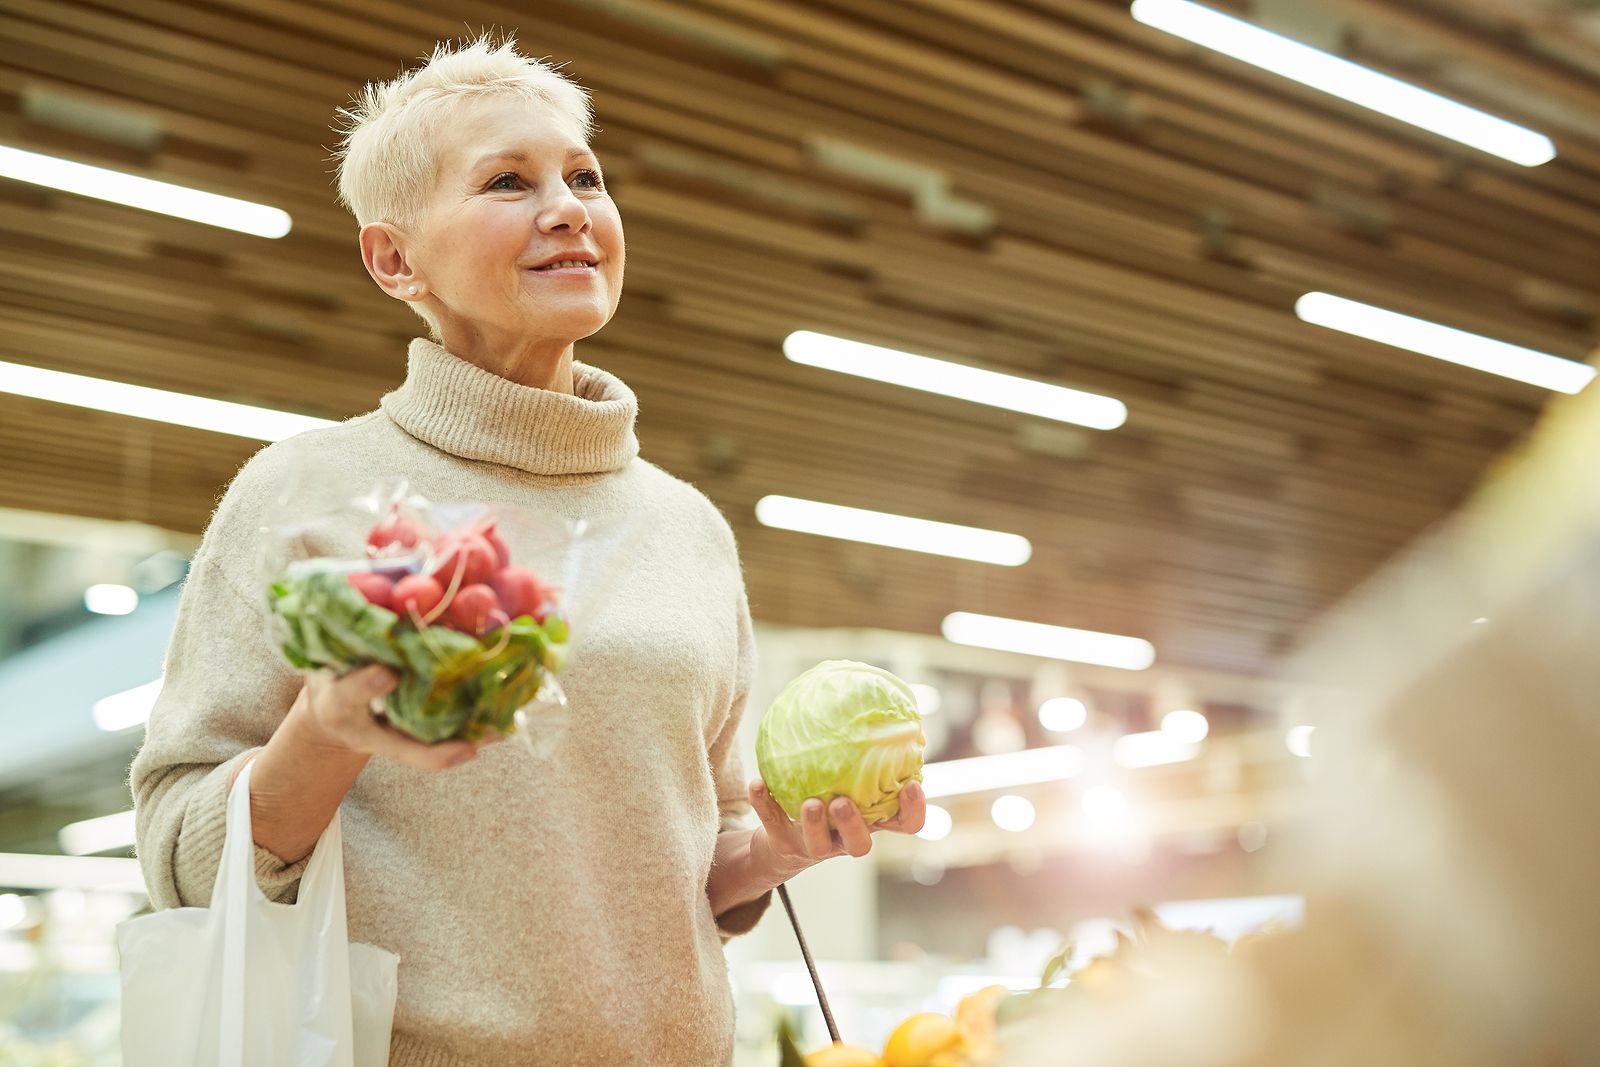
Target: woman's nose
x,y
565,210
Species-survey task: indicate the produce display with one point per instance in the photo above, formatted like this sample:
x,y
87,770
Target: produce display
x,y
842,729
926,1039
474,637
977,1034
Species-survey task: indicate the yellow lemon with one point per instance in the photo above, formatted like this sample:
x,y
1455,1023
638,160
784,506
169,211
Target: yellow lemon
x,y
842,1056
921,1038
975,1013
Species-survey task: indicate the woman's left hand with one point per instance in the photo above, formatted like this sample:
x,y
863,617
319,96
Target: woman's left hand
x,y
782,848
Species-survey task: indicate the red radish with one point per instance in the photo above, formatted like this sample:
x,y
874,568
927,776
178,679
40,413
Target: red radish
x,y
469,554
519,591
375,587
546,600
502,554
474,610
417,593
402,530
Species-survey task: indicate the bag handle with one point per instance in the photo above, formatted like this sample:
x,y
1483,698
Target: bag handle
x,y
236,877
236,891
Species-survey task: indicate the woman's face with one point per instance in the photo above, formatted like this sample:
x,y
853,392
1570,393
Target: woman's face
x,y
516,185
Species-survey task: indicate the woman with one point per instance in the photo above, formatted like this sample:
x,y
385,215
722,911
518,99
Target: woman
x,y
569,912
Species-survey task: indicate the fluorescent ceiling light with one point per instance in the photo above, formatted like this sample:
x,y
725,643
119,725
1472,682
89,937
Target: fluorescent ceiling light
x,y
893,531
1185,725
982,773
1444,342
937,825
22,870
159,405
1052,642
1152,748
1298,740
147,194
111,599
955,379
13,911
127,709
1062,715
97,835
1012,813
1346,80
1103,801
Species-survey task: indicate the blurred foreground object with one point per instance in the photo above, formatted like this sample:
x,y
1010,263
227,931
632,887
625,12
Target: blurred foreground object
x,y
1449,861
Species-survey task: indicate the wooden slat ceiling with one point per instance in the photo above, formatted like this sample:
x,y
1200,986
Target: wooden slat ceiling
x,y
1119,211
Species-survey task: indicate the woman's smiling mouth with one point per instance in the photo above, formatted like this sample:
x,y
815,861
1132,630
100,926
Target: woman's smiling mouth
x,y
568,268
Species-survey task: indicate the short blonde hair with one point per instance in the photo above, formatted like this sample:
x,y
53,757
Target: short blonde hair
x,y
386,163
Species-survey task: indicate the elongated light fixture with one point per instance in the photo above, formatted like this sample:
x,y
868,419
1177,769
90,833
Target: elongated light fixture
x,y
979,774
1444,342
955,379
26,870
1051,642
893,531
111,599
1153,748
1349,81
127,709
104,834
147,194
159,405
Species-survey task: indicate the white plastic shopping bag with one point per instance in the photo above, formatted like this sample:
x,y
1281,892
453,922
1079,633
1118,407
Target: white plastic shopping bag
x,y
251,983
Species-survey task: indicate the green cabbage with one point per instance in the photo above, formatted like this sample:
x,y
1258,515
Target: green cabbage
x,y
842,729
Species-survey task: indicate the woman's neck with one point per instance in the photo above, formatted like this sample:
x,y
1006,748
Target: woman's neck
x,y
539,364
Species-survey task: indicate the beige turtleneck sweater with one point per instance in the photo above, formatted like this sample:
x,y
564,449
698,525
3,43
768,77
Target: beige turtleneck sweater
x,y
547,912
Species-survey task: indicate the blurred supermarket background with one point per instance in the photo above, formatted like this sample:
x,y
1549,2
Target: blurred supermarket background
x,y
1323,306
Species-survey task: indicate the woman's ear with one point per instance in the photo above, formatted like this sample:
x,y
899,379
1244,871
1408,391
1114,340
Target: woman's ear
x,y
383,252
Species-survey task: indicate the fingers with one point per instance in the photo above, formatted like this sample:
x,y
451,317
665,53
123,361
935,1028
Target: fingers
x,y
384,740
359,687
814,830
343,710
342,700
812,838
913,813
780,828
854,837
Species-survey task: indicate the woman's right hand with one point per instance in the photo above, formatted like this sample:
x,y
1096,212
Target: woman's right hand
x,y
315,755
338,713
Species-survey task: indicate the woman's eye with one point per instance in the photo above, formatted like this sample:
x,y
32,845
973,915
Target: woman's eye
x,y
591,176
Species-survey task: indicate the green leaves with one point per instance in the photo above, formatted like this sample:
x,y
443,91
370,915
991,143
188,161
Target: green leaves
x,y
1034,1001
330,624
788,1052
1056,965
452,685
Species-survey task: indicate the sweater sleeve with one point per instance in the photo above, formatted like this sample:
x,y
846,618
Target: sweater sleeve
x,y
224,691
733,803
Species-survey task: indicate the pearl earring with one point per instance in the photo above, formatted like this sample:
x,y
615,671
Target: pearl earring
x,y
411,289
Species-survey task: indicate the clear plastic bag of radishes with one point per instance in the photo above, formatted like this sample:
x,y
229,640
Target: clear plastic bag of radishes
x,y
472,604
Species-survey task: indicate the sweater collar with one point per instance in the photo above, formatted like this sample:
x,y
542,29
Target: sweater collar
x,y
469,412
